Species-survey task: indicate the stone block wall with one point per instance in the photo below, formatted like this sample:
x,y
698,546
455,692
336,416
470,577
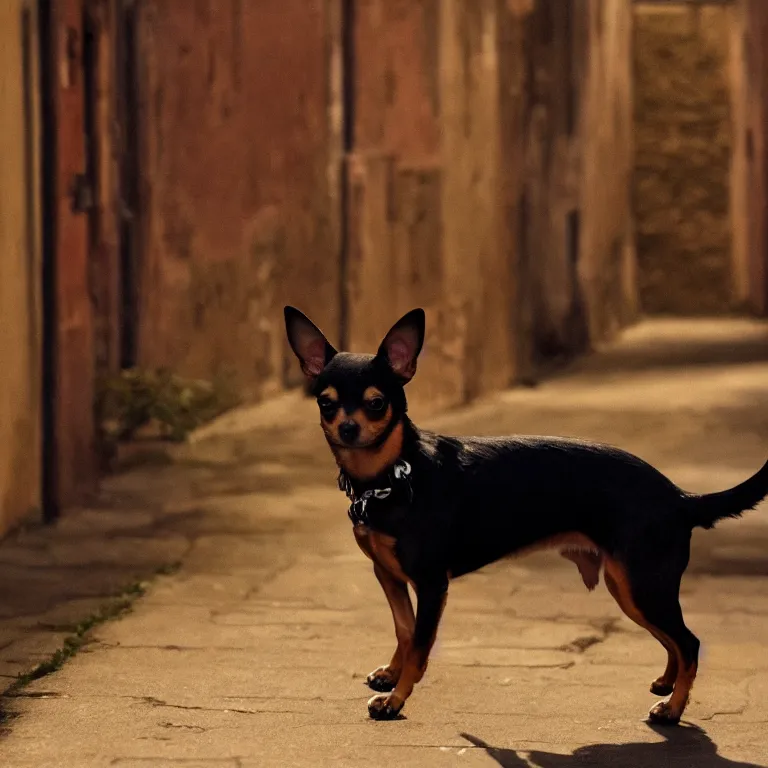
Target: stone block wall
x,y
683,140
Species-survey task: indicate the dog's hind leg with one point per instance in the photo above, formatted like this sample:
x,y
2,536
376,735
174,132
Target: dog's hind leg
x,y
662,610
653,603
615,580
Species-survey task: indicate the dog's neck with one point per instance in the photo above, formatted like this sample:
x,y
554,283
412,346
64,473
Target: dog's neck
x,y
363,464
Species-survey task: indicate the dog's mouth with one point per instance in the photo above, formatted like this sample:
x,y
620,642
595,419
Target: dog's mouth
x,y
355,445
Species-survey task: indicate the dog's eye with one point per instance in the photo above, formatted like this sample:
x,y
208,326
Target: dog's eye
x,y
376,404
326,404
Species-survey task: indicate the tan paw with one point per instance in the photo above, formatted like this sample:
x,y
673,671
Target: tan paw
x,y
663,714
383,679
384,707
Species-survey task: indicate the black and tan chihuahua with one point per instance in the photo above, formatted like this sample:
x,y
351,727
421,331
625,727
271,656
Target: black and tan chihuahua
x,y
428,508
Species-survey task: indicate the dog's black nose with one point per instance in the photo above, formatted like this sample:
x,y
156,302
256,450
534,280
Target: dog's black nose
x,y
349,431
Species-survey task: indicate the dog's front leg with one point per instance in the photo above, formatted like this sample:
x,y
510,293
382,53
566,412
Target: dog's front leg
x,y
431,602
385,678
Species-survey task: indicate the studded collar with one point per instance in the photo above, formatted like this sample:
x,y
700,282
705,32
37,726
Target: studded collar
x,y
396,490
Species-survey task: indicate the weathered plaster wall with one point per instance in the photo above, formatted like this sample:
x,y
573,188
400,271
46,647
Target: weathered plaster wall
x,y
607,258
750,174
742,147
477,278
550,191
486,180
684,140
395,175
239,163
425,191
19,269
573,246
516,117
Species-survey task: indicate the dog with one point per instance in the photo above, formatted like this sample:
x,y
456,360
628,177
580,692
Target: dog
x,y
428,508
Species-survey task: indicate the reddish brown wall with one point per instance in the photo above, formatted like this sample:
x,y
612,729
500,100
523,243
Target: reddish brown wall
x,y
553,35
751,90
477,257
465,182
424,219
488,136
239,124
607,261
73,321
579,243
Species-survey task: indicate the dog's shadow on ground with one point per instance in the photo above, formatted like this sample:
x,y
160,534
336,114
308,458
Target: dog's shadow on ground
x,y
687,745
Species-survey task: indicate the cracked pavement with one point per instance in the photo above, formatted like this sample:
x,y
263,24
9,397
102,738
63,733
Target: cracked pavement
x,y
255,652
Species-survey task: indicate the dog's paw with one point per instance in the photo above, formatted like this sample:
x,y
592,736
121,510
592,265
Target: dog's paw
x,y
382,679
384,707
663,714
661,687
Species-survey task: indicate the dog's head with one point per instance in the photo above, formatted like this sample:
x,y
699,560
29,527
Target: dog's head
x,y
361,397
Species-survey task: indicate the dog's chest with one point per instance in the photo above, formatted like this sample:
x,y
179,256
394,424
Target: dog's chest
x,y
381,549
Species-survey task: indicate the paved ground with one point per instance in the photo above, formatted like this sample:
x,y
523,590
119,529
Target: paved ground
x,y
255,651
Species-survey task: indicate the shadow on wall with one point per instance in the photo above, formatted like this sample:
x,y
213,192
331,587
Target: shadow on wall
x,y
686,745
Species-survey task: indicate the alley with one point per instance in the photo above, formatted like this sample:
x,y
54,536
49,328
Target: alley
x,y
252,641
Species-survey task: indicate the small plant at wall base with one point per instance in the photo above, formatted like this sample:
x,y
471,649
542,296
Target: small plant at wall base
x,y
159,404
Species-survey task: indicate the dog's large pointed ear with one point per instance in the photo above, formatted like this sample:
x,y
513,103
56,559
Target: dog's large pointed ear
x,y
307,342
401,346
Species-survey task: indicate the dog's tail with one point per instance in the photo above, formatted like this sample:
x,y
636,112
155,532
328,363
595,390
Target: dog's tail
x,y
705,510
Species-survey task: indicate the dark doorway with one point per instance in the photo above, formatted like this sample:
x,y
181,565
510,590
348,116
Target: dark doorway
x,y
577,325
127,108
49,477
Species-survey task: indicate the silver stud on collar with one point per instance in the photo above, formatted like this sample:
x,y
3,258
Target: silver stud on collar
x,y
401,469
